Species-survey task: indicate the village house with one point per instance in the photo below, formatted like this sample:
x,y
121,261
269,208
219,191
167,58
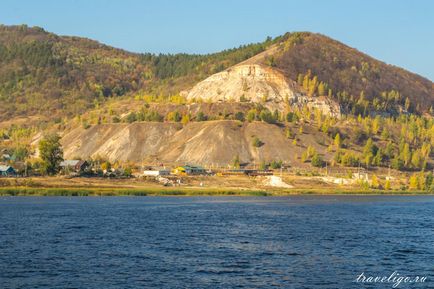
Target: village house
x,y
155,172
6,157
190,170
7,171
77,166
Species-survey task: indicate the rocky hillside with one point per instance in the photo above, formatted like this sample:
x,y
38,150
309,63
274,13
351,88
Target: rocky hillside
x,y
207,143
259,84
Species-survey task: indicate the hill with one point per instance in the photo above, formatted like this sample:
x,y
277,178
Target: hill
x,y
359,82
302,99
301,67
45,74
60,76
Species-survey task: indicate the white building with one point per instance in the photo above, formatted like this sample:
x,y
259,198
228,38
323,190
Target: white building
x,y
156,172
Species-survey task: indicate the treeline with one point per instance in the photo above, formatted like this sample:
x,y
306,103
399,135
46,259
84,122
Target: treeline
x,y
41,73
178,65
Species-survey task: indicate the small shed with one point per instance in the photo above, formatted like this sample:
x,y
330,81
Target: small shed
x,y
155,172
74,165
7,171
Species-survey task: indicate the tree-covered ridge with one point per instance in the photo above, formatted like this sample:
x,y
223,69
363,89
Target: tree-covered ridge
x,y
42,73
57,76
358,81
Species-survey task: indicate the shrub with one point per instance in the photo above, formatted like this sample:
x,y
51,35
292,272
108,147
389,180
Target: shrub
x,y
86,125
291,117
201,116
317,161
185,119
387,185
128,172
174,116
267,116
239,116
251,115
257,142
276,164
131,117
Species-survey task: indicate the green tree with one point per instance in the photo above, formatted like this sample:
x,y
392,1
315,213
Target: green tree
x,y
378,158
369,151
289,133
257,142
251,115
291,117
397,163
236,162
405,154
239,116
317,160
128,172
131,117
200,116
417,160
267,116
276,164
429,181
51,153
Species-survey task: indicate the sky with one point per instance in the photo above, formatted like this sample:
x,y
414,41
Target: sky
x,y
398,32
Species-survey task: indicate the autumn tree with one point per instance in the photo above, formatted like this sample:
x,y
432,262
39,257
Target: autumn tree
x,y
337,141
51,153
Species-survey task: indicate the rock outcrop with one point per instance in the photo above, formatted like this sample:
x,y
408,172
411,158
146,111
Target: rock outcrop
x,y
257,83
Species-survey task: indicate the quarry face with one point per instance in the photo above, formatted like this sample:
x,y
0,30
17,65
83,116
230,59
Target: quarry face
x,y
259,84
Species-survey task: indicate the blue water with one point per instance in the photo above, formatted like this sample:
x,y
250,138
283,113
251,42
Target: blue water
x,y
214,242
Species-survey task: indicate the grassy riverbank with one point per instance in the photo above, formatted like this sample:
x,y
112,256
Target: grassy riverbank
x,y
191,186
25,191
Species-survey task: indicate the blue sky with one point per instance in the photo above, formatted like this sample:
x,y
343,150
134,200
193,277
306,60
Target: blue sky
x,y
396,31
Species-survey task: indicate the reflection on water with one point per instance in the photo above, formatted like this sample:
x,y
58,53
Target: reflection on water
x,y
213,242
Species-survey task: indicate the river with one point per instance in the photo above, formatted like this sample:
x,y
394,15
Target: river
x,y
214,242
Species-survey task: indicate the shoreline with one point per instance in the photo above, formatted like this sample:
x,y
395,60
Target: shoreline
x,y
192,191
